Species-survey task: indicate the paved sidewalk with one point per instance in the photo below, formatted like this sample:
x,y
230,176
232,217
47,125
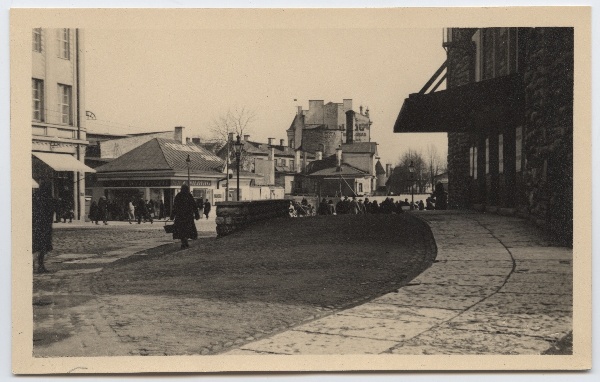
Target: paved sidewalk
x,y
497,287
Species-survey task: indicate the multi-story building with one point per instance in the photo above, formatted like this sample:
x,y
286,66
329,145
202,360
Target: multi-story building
x,y
58,115
508,112
324,127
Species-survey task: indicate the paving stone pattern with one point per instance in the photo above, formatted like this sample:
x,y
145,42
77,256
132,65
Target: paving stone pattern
x,y
121,297
498,286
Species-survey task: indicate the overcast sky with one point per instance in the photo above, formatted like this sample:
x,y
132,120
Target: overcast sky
x,y
153,80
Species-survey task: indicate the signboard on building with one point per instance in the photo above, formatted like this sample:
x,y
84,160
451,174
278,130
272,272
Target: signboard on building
x,y
138,183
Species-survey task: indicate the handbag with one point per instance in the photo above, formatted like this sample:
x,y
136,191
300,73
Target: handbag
x,y
169,228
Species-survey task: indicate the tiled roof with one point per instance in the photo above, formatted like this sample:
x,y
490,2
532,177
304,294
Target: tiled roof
x,y
347,170
165,154
360,147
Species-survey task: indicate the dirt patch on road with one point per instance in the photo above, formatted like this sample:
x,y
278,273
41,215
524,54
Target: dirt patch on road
x,y
331,261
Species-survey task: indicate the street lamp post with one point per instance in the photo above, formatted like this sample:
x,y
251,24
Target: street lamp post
x,y
411,169
229,141
238,145
188,161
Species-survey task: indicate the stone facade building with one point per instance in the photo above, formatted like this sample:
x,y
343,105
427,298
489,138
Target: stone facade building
x,y
508,112
58,115
324,127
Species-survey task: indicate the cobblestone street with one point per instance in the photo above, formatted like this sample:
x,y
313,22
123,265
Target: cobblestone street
x,y
110,296
498,286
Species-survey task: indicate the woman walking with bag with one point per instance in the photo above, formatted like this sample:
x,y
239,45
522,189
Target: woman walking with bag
x,y
183,215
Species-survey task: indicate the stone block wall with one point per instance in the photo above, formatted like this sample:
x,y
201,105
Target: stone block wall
x,y
543,190
233,216
461,69
548,130
322,139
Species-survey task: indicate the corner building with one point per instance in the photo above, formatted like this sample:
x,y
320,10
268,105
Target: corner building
x,y
58,115
508,112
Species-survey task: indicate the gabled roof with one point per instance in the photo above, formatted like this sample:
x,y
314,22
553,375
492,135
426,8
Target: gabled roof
x,y
346,170
360,147
165,154
328,167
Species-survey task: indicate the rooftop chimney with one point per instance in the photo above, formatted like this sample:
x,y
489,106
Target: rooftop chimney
x,y
388,169
347,105
178,135
282,142
338,155
299,110
360,108
367,112
297,161
271,141
319,155
246,137
230,137
271,152
188,140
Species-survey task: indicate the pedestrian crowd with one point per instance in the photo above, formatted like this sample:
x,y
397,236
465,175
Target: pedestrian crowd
x,y
357,206
135,210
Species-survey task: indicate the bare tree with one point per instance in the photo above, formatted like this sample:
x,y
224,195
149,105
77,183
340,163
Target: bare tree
x,y
402,181
229,125
436,164
237,121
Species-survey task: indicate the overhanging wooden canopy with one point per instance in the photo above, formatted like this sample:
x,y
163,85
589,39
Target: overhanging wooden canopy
x,y
463,108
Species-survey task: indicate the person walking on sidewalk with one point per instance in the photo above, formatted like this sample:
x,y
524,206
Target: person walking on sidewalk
x,y
130,211
102,210
42,217
141,210
161,210
206,208
183,215
94,212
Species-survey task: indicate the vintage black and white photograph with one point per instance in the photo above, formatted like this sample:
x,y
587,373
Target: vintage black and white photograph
x,y
332,183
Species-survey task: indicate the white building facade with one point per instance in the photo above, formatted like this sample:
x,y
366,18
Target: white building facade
x,y
58,115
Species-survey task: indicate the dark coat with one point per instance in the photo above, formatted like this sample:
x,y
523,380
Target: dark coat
x,y
141,208
206,208
102,208
42,217
94,211
184,213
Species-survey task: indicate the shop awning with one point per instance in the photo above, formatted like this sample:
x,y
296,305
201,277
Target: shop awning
x,y
463,108
62,162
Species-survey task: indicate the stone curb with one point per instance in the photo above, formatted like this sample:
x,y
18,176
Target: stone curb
x,y
483,295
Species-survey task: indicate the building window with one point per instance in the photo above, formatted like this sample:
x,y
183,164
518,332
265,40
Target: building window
x,y
64,43
282,162
496,52
471,150
475,162
38,99
37,40
500,154
487,155
519,148
477,41
292,164
360,187
65,104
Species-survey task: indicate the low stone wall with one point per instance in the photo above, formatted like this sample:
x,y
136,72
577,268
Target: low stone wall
x,y
233,216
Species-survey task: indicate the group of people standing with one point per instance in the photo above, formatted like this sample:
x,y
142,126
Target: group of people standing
x,y
134,209
358,207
